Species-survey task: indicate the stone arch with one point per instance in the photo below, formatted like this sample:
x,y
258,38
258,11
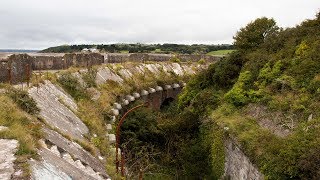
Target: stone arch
x,y
166,102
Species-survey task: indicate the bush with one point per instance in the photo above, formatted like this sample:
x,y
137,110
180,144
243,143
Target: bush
x,y
202,61
23,100
90,78
72,86
238,95
175,59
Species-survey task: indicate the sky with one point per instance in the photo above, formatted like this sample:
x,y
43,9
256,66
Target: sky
x,y
38,24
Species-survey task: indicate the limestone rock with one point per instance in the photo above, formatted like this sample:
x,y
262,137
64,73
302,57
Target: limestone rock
x,y
177,69
159,88
7,150
105,74
53,104
112,138
117,106
73,149
167,87
3,128
109,127
176,86
144,93
136,95
152,90
115,112
130,98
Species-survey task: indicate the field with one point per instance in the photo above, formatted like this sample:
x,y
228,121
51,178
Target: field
x,y
221,52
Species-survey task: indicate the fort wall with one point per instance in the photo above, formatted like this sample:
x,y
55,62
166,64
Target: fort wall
x,y
18,67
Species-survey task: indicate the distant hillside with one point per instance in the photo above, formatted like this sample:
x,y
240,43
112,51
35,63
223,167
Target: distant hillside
x,y
18,50
142,48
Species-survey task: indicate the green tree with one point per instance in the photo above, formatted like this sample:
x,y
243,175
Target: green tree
x,y
255,33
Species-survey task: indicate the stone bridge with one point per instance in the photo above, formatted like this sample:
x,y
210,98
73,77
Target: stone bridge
x,y
156,98
61,155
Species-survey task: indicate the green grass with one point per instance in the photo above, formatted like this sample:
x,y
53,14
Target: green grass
x,y
124,52
157,51
220,52
23,128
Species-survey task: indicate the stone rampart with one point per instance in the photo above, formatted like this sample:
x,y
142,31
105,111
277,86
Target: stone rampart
x,y
83,59
16,68
48,63
142,57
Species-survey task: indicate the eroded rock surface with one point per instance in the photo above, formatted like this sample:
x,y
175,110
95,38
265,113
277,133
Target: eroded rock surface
x,y
75,150
7,150
53,104
237,165
105,74
54,167
64,159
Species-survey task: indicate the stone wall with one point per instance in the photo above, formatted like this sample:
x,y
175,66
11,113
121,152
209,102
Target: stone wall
x,y
4,71
237,165
48,63
116,58
194,58
16,68
83,60
139,57
142,57
56,62
160,57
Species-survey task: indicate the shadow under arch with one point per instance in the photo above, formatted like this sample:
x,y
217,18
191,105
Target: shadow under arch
x,y
166,103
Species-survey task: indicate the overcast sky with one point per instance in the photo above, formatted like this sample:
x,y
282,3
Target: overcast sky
x,y
37,24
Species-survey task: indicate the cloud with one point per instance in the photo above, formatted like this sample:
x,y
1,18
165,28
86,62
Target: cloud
x,y
37,24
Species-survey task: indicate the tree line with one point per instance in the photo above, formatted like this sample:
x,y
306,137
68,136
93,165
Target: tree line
x,y
141,48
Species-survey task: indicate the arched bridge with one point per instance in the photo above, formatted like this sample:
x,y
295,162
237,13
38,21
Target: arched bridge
x,y
156,97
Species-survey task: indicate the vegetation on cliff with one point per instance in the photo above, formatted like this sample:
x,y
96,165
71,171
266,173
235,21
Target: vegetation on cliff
x,y
269,92
265,96
21,126
142,48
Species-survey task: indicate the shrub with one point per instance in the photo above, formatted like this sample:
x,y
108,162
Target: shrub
x,y
315,85
238,95
202,61
90,77
175,59
23,100
72,86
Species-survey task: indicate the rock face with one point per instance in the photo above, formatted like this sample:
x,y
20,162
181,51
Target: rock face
x,y
52,166
238,165
64,159
60,156
105,74
76,150
7,150
53,103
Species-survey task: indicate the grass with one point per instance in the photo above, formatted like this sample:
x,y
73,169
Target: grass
x,y
23,128
124,52
95,113
220,52
276,157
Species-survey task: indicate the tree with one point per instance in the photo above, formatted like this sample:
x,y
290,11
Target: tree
x,y
255,33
